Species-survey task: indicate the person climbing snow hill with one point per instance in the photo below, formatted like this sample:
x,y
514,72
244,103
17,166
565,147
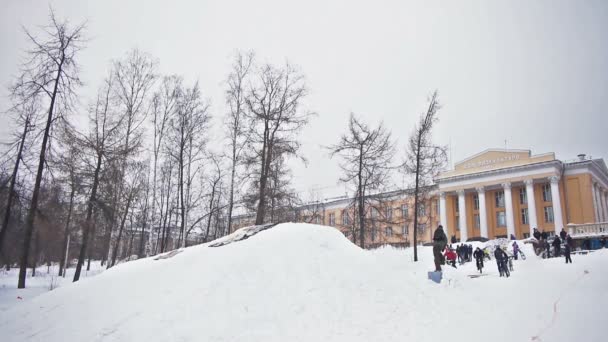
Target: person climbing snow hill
x,y
515,250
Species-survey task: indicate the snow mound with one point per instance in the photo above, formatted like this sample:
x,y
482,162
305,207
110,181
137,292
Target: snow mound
x,y
301,282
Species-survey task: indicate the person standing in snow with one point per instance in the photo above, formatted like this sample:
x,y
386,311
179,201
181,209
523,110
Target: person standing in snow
x,y
501,261
515,250
563,234
567,253
453,239
544,235
556,246
513,237
479,255
440,240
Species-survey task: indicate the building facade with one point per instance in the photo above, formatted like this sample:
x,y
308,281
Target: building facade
x,y
496,193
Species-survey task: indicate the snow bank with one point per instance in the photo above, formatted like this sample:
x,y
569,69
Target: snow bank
x,y
299,282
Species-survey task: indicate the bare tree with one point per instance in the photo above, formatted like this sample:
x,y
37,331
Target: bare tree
x,y
27,113
133,77
367,159
51,70
103,143
275,119
234,121
164,105
186,142
135,177
424,159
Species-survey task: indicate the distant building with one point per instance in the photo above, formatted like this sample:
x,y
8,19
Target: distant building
x,y
492,194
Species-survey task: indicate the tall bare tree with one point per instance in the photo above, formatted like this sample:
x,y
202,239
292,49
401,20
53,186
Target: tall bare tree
x,y
186,142
234,121
26,117
275,118
164,105
424,159
50,69
103,145
367,159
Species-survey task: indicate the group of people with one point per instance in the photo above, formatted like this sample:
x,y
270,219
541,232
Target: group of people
x,y
543,243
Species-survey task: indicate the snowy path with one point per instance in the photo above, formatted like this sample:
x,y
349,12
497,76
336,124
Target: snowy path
x,y
298,282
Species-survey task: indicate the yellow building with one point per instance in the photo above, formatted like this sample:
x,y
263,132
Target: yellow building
x,y
496,193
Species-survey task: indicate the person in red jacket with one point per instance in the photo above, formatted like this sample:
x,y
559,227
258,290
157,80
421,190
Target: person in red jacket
x,y
451,256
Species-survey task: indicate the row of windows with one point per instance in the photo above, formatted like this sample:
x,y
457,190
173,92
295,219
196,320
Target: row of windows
x,y
388,231
501,218
499,198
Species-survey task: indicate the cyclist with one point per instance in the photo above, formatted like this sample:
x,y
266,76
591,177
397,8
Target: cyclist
x,y
501,261
479,255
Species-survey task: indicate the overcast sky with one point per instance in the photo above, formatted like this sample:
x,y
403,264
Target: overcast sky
x,y
533,73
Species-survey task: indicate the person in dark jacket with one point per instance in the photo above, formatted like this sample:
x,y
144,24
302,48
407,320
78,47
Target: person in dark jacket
x,y
501,261
557,246
454,239
569,240
544,235
536,234
478,255
440,240
567,253
563,234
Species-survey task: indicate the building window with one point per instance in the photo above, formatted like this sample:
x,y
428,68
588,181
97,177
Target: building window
x,y
549,214
421,210
404,210
388,231
476,202
526,235
523,197
345,220
374,213
477,221
547,192
500,199
524,216
421,228
389,213
404,230
332,219
457,223
501,219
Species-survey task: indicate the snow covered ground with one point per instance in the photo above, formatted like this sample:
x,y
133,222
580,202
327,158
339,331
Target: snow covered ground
x,y
299,282
46,279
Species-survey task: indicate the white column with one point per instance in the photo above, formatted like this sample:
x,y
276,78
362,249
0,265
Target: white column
x,y
443,218
531,205
483,218
603,200
462,216
557,204
509,209
596,202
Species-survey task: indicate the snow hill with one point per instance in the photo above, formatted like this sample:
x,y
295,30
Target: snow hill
x,y
299,282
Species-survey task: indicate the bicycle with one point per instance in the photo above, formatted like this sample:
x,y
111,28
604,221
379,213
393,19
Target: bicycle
x,y
522,255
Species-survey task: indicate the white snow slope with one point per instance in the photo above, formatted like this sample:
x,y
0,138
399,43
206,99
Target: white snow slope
x,y
299,282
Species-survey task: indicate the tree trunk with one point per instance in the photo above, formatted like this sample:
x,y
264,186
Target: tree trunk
x,y
416,195
361,200
11,189
261,213
66,233
87,225
31,215
92,244
122,225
